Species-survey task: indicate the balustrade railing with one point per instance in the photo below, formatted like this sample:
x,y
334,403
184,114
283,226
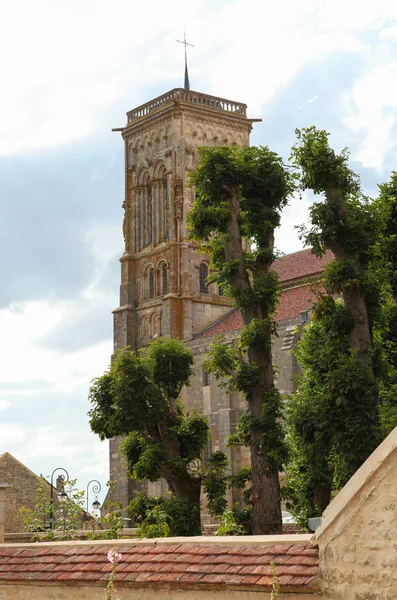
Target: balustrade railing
x,y
187,96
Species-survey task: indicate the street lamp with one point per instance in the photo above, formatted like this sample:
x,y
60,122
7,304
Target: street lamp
x,y
62,496
96,488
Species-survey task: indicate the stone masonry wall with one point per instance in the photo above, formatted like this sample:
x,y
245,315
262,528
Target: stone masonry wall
x,y
358,540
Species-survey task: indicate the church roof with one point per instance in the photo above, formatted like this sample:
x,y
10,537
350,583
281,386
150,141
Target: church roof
x,y
300,265
296,272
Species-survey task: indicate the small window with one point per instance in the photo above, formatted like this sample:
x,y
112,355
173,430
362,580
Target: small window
x,y
220,291
164,279
151,283
206,378
207,452
203,277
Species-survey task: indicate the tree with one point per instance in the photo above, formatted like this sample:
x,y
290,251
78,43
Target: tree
x,y
343,222
137,397
240,195
346,399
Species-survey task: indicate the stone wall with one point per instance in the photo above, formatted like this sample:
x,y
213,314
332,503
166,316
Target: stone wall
x,y
95,592
358,539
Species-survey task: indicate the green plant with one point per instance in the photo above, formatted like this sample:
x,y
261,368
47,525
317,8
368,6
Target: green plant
x,y
240,196
155,524
149,512
66,516
138,398
228,525
275,582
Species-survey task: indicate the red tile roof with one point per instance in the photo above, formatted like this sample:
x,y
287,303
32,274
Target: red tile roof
x,y
293,301
217,564
300,265
294,271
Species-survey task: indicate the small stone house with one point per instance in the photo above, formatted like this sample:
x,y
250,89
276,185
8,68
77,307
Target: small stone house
x,y
21,492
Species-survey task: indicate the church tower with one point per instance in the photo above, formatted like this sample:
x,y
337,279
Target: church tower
x,y
163,290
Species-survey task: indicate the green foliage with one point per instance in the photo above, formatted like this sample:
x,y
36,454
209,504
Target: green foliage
x,y
331,425
229,525
137,398
346,399
164,516
319,164
154,525
170,365
65,516
386,204
257,333
240,195
215,483
344,217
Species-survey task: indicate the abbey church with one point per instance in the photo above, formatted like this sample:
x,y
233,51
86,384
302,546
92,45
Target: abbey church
x,y
163,289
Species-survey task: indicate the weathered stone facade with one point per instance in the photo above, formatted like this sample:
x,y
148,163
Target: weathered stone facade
x,y
358,539
163,290
21,490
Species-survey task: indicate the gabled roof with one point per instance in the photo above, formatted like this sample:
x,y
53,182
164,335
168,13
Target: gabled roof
x,y
7,456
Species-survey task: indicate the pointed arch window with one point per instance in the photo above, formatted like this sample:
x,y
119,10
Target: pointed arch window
x,y
203,278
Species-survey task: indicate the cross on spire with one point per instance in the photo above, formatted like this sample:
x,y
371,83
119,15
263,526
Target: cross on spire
x,y
185,43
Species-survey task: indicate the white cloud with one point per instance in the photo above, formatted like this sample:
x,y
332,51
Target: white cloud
x,y
66,61
372,112
306,104
4,404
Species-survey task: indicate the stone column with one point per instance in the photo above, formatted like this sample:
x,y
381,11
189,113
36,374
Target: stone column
x,y
3,487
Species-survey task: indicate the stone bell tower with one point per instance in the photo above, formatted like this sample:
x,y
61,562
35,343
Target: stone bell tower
x,y
163,290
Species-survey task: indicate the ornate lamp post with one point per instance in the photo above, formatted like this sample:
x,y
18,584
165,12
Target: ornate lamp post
x,y
95,488
62,496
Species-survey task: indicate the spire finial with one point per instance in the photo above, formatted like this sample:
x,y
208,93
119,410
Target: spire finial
x,y
184,42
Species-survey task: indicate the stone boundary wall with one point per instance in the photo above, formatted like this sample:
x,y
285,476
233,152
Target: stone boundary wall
x,y
177,568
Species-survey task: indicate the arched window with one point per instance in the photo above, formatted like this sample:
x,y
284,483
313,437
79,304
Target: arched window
x,y
151,283
203,277
164,279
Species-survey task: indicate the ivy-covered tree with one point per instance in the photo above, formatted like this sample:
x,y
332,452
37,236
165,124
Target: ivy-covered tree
x,y
137,397
347,397
387,206
240,195
343,222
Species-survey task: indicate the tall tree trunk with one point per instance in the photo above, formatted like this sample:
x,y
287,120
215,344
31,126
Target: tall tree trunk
x,y
265,496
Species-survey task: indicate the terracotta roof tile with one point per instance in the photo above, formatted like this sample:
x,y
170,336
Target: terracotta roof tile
x,y
296,272
214,564
301,265
292,302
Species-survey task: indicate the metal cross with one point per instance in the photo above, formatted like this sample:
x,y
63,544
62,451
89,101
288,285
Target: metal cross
x,y
185,43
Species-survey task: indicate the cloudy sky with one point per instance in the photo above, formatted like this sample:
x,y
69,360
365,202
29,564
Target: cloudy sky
x,y
69,72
